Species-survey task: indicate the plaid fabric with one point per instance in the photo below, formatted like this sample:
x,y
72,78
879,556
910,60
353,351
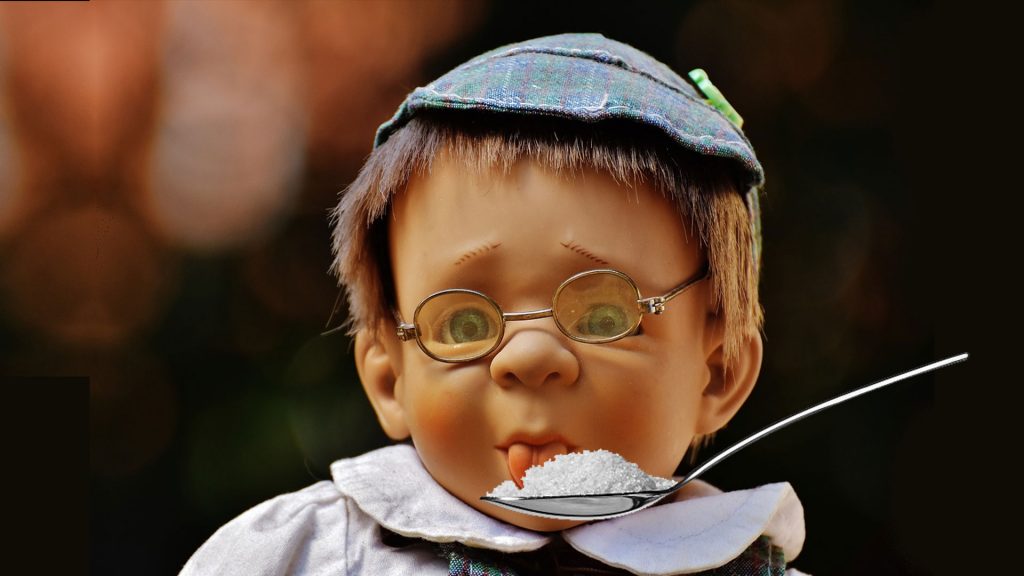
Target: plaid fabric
x,y
760,559
558,558
465,561
590,78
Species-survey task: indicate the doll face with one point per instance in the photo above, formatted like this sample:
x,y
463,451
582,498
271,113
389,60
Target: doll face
x,y
515,238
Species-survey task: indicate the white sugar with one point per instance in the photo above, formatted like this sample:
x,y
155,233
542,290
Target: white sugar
x,y
587,472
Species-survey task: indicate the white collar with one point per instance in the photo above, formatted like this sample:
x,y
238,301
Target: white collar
x,y
706,531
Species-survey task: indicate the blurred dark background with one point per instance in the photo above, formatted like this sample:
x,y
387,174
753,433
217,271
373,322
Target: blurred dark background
x,y
166,169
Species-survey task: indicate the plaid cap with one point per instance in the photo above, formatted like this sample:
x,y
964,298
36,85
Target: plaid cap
x,y
589,78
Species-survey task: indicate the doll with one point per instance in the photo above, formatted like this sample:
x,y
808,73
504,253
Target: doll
x,y
552,248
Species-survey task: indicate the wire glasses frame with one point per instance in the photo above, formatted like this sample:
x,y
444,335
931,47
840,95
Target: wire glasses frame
x,y
573,308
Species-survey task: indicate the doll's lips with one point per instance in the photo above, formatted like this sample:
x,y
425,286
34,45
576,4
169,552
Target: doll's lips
x,y
526,453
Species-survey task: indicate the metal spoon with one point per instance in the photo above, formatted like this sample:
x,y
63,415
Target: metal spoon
x,y
601,506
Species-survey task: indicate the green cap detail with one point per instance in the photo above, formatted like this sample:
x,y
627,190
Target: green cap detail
x,y
717,100
715,96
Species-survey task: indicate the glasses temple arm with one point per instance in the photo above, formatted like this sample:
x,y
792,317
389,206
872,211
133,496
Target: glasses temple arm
x,y
656,304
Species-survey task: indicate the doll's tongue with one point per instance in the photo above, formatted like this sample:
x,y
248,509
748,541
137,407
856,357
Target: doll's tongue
x,y
522,456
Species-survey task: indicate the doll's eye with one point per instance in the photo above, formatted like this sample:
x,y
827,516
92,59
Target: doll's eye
x,y
457,325
604,321
467,325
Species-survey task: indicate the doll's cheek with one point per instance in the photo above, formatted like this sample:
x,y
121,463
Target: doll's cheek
x,y
443,418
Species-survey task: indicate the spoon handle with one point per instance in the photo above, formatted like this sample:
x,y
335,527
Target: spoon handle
x,y
813,410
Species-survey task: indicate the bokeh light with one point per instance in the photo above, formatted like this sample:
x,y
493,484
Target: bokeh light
x,y
230,132
327,410
86,277
11,188
77,117
359,71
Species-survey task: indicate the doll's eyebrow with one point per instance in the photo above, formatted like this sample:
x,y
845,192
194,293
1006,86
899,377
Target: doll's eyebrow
x,y
482,249
573,246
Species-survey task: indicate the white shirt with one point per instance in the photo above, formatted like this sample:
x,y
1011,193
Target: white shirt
x,y
333,528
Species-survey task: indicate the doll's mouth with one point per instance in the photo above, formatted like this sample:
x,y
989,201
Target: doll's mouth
x,y
523,452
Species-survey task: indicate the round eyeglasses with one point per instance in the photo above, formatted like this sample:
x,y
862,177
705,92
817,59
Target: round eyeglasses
x,y
596,306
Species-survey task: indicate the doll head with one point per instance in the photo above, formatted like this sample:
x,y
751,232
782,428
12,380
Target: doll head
x,y
510,206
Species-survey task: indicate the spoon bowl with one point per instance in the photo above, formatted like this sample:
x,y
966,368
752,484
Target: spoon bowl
x,y
602,506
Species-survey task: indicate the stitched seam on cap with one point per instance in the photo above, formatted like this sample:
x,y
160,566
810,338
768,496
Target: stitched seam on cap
x,y
561,108
612,60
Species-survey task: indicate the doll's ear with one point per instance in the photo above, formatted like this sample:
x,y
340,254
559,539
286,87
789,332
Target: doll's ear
x,y
729,385
379,366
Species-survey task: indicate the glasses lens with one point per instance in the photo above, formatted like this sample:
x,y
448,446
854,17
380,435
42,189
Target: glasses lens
x,y
597,307
458,325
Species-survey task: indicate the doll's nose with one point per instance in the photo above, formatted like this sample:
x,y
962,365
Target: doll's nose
x,y
534,357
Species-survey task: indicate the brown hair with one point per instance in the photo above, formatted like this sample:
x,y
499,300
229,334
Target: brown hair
x,y
705,189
